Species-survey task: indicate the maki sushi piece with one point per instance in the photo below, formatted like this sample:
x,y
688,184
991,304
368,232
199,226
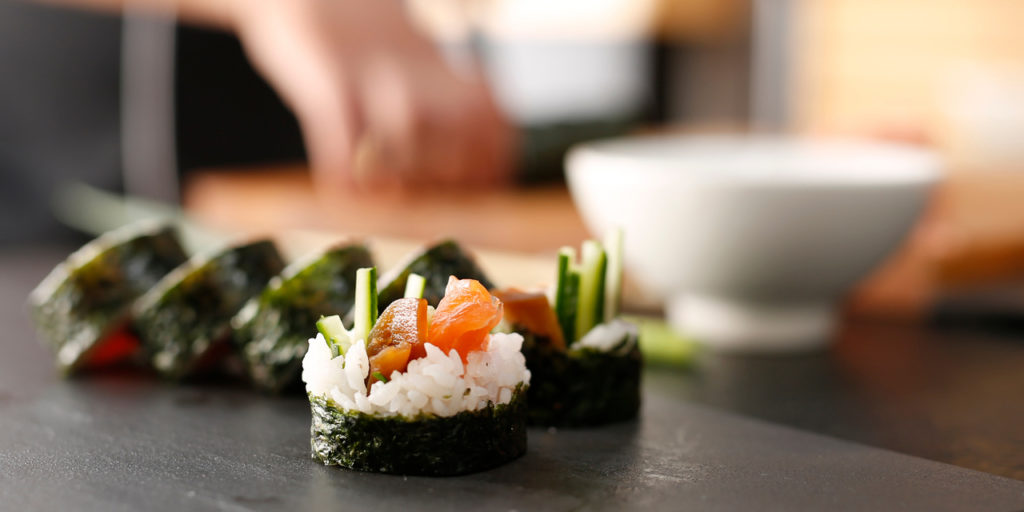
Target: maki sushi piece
x,y
584,360
417,391
184,322
271,330
82,307
435,263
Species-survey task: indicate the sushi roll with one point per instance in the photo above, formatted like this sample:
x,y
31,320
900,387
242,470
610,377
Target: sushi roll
x,y
82,307
417,391
271,330
585,361
435,263
184,322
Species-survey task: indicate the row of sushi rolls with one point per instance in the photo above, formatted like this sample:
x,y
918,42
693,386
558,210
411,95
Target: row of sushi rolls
x,y
426,369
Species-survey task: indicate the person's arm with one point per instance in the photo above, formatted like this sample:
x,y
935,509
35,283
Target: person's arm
x,y
375,99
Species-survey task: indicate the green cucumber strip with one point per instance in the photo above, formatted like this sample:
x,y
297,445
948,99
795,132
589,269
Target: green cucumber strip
x,y
590,302
334,332
599,288
566,283
366,303
613,274
414,286
573,294
661,345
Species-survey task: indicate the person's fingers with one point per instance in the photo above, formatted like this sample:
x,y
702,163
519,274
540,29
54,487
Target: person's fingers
x,y
371,169
332,125
376,107
490,150
490,153
436,148
299,59
439,154
391,117
481,134
422,126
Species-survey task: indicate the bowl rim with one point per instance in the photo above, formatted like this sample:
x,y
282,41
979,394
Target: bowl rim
x,y
737,161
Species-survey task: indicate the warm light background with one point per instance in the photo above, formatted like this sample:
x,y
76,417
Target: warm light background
x,y
948,73
944,73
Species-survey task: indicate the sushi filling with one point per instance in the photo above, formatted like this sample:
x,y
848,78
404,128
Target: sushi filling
x,y
438,384
617,336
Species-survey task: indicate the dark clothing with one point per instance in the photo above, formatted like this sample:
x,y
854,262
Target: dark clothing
x,y
226,113
59,111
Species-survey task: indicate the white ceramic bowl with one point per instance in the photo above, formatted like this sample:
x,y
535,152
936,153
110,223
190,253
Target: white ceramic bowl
x,y
752,240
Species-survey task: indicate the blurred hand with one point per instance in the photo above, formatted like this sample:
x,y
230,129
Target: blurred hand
x,y
377,104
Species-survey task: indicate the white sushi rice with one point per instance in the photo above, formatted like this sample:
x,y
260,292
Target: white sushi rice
x,y
438,384
609,336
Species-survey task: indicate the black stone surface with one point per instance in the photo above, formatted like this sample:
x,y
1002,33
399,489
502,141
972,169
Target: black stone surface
x,y
125,441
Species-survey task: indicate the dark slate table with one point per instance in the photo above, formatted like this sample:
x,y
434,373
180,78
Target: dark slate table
x,y
124,441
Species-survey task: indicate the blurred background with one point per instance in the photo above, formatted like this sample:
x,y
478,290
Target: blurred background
x,y
141,105
123,97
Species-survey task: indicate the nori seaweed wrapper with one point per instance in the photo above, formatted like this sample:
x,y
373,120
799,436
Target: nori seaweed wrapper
x,y
185,318
435,263
426,445
89,295
582,386
273,328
